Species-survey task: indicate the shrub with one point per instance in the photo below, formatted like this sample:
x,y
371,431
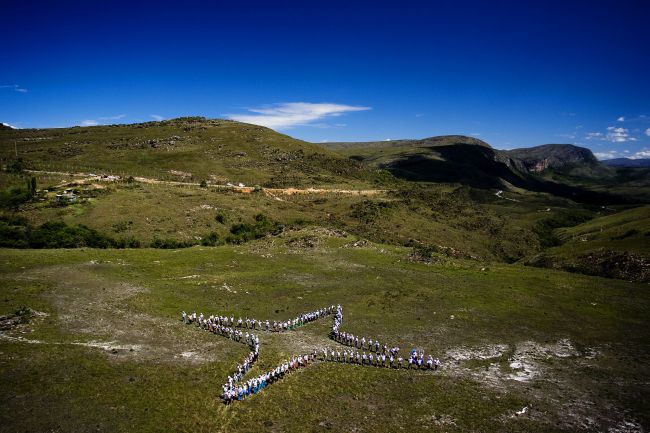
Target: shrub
x,y
14,197
211,240
244,232
59,235
170,243
220,217
16,166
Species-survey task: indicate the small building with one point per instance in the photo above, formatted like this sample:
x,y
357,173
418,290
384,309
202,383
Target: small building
x,y
68,195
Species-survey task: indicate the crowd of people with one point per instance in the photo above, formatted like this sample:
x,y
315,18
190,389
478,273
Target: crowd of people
x,y
235,388
260,325
416,360
380,355
218,327
233,391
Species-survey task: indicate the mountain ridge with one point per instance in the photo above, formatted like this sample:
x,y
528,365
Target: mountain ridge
x,y
627,162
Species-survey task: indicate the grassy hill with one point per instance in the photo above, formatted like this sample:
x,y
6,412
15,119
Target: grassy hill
x,y
447,208
183,149
616,245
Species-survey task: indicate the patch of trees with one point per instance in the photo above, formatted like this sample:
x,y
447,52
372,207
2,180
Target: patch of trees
x,y
16,232
14,197
244,232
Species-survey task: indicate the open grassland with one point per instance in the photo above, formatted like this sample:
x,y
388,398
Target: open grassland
x,y
184,149
458,221
105,350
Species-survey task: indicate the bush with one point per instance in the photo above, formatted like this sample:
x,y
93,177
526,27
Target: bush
x,y
16,166
60,235
13,236
211,240
14,197
220,217
170,243
244,232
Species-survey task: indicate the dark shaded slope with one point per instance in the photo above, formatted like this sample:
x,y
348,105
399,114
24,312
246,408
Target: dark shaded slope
x,y
484,167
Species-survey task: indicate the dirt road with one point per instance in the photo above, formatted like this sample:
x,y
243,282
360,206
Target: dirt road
x,y
272,192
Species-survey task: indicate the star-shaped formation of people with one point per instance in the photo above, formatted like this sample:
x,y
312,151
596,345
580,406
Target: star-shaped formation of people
x,y
242,331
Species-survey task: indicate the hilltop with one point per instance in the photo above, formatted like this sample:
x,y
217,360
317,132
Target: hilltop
x,y
552,156
188,148
554,168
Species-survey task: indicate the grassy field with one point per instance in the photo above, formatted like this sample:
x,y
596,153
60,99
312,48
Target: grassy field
x,y
615,245
106,350
472,222
184,149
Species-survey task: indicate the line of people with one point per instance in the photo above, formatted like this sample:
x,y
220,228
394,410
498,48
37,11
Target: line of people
x,y
383,355
266,325
236,388
416,360
349,339
232,391
212,325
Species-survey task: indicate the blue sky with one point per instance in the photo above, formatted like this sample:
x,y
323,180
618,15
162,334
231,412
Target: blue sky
x,y
511,73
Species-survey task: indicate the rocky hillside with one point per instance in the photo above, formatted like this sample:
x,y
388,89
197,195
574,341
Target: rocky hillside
x,y
551,156
189,148
551,168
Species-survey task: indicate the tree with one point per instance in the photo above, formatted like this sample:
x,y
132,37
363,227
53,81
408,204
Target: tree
x,y
32,186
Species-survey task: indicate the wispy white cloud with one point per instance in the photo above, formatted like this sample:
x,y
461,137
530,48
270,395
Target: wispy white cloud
x,y
647,132
621,119
15,88
594,135
289,114
641,154
608,154
157,117
89,122
117,117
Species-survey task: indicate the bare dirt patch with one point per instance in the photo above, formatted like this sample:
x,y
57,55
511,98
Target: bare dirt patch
x,y
96,313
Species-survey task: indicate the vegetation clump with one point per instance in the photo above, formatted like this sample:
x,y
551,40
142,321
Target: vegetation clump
x,y
243,232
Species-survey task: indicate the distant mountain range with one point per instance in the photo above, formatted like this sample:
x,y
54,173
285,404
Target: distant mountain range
x,y
228,151
561,169
627,163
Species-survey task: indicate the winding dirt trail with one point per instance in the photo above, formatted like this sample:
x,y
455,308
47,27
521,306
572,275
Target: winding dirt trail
x,y
272,192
